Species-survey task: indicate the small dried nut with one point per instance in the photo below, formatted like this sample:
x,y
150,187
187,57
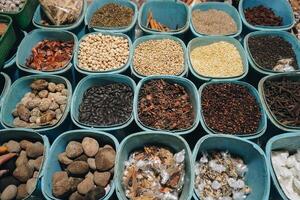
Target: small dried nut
x,y
45,104
74,182
33,119
76,196
22,159
60,184
22,192
53,106
23,173
24,144
35,102
35,150
96,193
39,85
23,112
20,123
74,149
46,118
63,159
60,99
85,186
38,162
105,158
65,92
92,163
30,185
102,178
13,146
90,146
78,168
60,87
43,94
35,112
9,193
52,87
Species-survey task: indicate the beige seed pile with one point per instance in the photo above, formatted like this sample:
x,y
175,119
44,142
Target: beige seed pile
x,y
213,22
159,57
98,52
220,59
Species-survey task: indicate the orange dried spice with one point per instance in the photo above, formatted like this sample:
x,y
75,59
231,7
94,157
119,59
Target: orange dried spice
x,y
153,24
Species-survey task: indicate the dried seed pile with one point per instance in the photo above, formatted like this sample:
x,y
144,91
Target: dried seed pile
x,y
44,105
21,162
269,51
3,28
220,59
155,25
220,175
98,52
283,99
154,173
50,55
106,105
213,22
11,5
165,106
87,170
286,166
159,57
112,15
230,109
262,16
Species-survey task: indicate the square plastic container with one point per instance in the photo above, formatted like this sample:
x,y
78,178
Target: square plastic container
x,y
5,84
98,80
171,13
59,146
281,8
137,141
283,34
39,15
271,116
95,5
21,134
190,89
263,121
33,38
257,177
158,37
24,16
17,91
7,40
207,40
285,141
225,7
114,71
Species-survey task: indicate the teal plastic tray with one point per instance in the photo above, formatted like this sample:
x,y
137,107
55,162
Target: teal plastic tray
x,y
6,87
285,35
189,87
92,8
284,141
257,177
271,116
98,80
114,71
34,37
171,13
158,37
207,40
263,121
59,146
281,8
39,13
17,91
225,7
21,134
137,141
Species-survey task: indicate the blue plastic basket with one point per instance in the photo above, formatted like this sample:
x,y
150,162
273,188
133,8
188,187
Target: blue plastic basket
x,y
158,37
92,8
225,7
207,40
190,89
38,16
281,8
114,71
271,116
6,87
171,13
59,146
285,35
285,141
257,177
137,141
17,91
98,80
21,134
30,41
263,122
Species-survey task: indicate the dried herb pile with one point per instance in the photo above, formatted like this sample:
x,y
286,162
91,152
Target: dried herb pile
x,y
230,109
165,106
283,99
262,16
